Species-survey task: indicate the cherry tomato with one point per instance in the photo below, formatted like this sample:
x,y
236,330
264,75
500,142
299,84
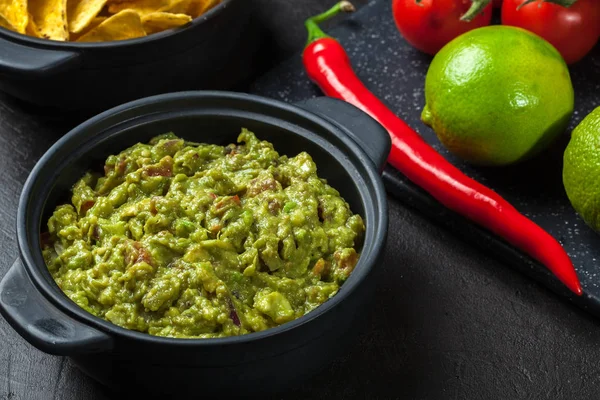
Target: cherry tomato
x,y
430,24
573,31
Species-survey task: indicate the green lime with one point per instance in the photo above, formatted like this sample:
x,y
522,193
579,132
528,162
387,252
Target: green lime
x,y
497,95
581,169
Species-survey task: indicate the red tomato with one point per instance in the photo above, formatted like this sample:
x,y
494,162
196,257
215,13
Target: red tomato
x,y
430,24
573,31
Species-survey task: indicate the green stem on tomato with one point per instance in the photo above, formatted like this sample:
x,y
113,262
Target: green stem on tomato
x,y
312,24
477,7
564,3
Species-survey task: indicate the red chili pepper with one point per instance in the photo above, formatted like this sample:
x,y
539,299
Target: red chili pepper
x,y
328,65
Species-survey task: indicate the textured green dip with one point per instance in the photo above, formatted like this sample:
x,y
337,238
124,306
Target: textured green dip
x,y
199,241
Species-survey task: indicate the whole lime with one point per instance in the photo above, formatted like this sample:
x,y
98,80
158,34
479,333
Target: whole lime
x,y
581,169
498,95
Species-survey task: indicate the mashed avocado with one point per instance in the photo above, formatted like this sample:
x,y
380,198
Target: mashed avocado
x,y
198,241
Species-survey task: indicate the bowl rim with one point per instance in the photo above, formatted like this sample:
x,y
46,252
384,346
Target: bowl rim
x,y
366,263
48,44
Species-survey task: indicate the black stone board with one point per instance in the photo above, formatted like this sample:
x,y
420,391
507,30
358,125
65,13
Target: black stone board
x,y
395,72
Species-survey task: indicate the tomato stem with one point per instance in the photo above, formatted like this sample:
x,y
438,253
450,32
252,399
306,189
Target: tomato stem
x,y
477,7
312,24
564,3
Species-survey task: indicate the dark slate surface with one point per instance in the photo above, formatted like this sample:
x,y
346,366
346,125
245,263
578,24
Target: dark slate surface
x,y
449,321
395,72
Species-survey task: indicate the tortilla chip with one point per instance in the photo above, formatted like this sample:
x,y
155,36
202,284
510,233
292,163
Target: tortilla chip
x,y
199,7
32,29
5,23
13,14
95,22
142,7
161,21
145,7
177,7
50,16
81,13
121,26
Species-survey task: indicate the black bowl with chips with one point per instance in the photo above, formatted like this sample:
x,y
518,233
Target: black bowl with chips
x,y
349,149
215,51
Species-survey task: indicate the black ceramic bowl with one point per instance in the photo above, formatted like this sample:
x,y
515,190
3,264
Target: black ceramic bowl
x,y
349,154
215,51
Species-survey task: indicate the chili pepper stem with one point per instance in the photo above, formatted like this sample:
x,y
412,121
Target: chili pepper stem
x,y
312,24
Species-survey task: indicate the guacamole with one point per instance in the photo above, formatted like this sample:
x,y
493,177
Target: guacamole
x,y
191,240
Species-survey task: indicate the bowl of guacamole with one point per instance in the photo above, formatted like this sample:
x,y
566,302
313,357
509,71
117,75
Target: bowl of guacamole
x,y
208,237
196,240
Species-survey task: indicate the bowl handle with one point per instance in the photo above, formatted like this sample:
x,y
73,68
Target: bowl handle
x,y
33,62
40,323
364,130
